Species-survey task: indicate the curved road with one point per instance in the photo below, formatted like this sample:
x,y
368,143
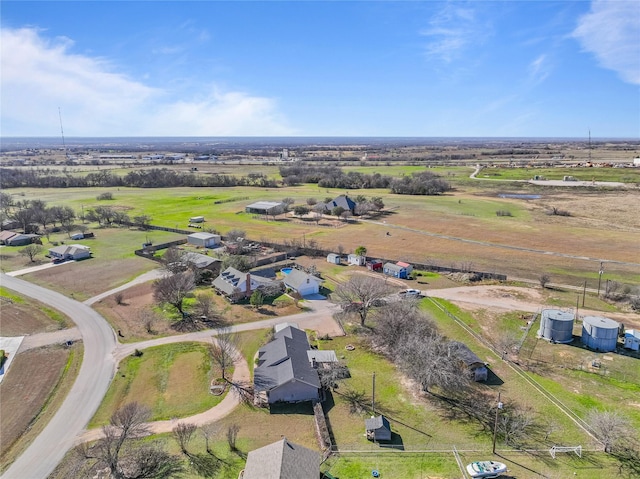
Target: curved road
x,y
102,352
96,372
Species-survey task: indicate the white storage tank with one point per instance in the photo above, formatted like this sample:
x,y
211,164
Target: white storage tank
x,y
556,326
599,333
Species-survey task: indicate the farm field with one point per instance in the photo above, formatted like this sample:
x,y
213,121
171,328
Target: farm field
x,y
621,175
456,229
37,385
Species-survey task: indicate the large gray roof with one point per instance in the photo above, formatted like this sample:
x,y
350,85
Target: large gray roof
x,y
282,460
297,278
283,359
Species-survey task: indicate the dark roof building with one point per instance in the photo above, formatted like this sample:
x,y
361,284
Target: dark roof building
x,y
283,372
378,428
282,460
477,367
344,202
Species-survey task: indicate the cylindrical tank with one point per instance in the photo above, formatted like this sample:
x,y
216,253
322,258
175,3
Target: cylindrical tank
x,y
556,326
600,333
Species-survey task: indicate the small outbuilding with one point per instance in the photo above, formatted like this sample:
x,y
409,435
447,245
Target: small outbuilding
x,y
599,333
375,265
196,219
406,266
204,240
356,259
333,258
378,428
473,363
392,269
265,208
20,239
632,339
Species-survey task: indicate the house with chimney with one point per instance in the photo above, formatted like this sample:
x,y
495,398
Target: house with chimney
x,y
236,285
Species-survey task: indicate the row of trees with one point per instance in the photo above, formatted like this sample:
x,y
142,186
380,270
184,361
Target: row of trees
x,y
151,178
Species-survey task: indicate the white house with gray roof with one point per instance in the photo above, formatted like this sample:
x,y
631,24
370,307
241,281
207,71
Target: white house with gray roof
x,y
72,251
282,460
283,372
302,283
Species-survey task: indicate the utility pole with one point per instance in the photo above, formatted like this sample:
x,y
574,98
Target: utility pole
x,y
495,425
600,276
373,395
584,292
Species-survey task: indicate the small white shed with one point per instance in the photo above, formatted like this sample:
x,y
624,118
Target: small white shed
x,y
196,219
333,258
356,259
204,240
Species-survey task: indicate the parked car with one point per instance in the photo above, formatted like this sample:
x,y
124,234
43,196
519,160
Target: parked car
x,y
411,293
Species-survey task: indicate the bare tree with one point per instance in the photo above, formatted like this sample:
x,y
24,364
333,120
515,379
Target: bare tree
x,y
148,317
361,294
235,235
173,260
610,427
331,373
205,305
209,431
31,251
117,449
174,289
183,433
544,280
232,436
223,351
514,425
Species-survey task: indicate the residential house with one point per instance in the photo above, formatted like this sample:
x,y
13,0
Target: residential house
x,y
204,240
265,208
473,363
9,224
392,269
344,202
6,235
333,258
356,259
20,239
283,372
70,252
235,284
374,265
378,428
282,460
302,283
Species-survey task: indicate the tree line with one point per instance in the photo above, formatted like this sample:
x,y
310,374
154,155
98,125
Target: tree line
x,y
151,178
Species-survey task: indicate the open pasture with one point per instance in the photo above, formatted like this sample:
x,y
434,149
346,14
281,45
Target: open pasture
x,y
460,228
172,380
621,175
20,317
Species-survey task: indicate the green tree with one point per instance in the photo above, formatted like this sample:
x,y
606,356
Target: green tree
x,y
257,299
361,251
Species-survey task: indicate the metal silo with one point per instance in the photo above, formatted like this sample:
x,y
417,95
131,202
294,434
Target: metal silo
x,y
556,326
600,334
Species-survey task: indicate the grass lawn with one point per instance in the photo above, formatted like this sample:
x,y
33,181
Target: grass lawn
x,y
623,175
172,380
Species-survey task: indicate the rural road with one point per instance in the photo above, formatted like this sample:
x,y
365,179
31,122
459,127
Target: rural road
x,y
98,367
101,355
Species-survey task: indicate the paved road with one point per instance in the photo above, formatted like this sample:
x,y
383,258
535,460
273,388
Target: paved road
x,y
101,355
98,367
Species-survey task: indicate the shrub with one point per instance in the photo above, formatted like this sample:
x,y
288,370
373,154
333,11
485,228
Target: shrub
x,y
503,213
104,196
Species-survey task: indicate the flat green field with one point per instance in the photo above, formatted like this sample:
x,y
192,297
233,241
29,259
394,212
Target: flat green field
x,y
172,380
622,175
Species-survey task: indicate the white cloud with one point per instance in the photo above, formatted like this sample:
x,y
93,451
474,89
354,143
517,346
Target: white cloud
x,y
39,75
539,69
451,30
611,31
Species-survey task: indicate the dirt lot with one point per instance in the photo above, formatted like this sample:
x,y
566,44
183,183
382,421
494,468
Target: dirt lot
x,y
126,317
33,377
19,319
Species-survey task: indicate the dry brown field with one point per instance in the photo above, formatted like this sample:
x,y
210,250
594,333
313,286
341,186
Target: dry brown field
x,y
29,396
19,319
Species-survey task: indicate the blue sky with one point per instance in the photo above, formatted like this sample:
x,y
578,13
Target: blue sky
x,y
329,68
